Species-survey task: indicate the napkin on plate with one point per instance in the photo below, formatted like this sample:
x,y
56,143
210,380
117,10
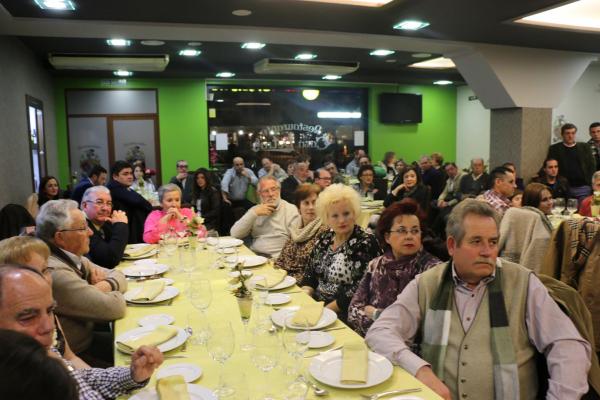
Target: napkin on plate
x,y
309,314
155,337
272,278
138,251
150,289
355,362
172,388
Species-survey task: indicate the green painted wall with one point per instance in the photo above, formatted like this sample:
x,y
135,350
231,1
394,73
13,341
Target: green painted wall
x,y
184,127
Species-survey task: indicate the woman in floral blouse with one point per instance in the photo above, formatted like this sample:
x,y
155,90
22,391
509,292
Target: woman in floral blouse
x,y
400,229
303,238
341,254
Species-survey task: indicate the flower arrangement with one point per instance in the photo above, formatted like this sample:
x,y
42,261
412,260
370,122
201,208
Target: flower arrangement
x,y
195,226
238,283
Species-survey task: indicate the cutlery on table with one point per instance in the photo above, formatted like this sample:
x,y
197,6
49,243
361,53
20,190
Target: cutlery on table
x,y
326,351
389,393
333,329
319,391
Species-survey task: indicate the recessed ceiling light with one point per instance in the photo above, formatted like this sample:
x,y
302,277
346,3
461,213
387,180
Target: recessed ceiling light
x,y
194,44
152,42
225,75
580,15
421,55
118,42
310,94
64,5
305,56
364,3
220,100
189,53
241,13
411,25
122,72
332,77
443,82
381,52
435,63
253,45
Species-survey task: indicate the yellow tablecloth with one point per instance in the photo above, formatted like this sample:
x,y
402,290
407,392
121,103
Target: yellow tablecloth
x,y
224,308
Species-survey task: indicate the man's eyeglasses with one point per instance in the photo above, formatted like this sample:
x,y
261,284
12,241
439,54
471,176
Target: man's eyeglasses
x,y
85,228
404,231
101,203
182,166
270,190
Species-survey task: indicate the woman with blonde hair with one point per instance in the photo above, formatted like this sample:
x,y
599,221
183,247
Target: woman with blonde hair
x,y
342,253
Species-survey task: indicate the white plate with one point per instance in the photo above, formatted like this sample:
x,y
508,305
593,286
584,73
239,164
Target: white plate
x,y
134,282
226,242
145,261
252,261
329,317
319,339
168,293
225,250
156,320
145,270
170,344
149,254
285,283
327,369
274,299
196,392
190,372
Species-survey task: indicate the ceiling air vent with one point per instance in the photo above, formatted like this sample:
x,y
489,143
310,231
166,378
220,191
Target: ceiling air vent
x,y
304,67
98,62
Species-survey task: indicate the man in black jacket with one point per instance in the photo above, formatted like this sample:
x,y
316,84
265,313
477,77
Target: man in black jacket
x,y
110,230
97,176
125,199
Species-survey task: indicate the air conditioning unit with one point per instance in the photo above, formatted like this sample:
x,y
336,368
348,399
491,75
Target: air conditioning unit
x,y
304,67
97,62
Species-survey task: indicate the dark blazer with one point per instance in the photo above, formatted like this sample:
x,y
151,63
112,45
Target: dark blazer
x,y
186,192
210,207
584,155
288,187
420,193
78,191
135,206
107,244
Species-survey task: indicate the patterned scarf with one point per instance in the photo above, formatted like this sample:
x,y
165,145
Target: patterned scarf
x,y
436,330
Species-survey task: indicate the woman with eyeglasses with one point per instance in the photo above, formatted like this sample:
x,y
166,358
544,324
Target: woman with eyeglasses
x,y
341,254
365,186
400,229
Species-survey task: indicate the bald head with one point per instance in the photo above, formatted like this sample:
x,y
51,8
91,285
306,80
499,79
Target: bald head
x,y
238,164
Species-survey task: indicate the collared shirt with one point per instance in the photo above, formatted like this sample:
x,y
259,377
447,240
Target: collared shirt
x,y
236,185
75,258
549,329
499,202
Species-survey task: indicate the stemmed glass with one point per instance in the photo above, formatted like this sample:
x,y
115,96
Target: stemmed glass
x,y
558,206
265,355
200,294
229,260
212,239
220,348
571,206
295,342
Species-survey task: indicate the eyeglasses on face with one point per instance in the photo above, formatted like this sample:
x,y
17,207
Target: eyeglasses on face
x,y
274,189
404,231
182,166
82,229
101,203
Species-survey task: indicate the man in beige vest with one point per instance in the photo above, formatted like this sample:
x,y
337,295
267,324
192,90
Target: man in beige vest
x,y
479,322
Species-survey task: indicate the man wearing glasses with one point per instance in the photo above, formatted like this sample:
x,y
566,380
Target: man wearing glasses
x,y
86,293
109,228
184,180
268,223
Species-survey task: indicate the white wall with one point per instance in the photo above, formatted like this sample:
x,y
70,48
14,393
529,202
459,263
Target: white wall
x,y
472,128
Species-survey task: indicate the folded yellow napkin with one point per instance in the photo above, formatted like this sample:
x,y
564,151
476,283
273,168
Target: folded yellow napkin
x,y
159,335
172,388
272,278
308,314
150,290
138,251
355,363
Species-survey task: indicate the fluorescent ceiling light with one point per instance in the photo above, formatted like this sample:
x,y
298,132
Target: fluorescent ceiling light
x,y
241,13
63,5
152,42
190,52
118,42
338,114
310,94
411,25
435,63
220,100
579,15
381,52
332,77
363,3
248,104
194,44
253,45
122,72
305,56
421,55
442,82
225,75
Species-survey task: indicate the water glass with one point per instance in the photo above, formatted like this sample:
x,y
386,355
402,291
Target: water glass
x,y
221,345
200,293
295,341
199,328
571,206
265,356
558,206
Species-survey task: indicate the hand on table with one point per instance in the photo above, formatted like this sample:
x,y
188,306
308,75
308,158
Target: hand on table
x,y
144,361
425,374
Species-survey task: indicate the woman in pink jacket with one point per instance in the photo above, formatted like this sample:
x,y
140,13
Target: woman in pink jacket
x,y
171,217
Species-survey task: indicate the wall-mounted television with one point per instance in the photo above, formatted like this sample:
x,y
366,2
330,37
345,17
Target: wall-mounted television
x,y
400,108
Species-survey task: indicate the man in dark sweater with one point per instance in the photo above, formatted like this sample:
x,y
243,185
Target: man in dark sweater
x,y
549,176
575,162
432,177
110,230
125,199
475,183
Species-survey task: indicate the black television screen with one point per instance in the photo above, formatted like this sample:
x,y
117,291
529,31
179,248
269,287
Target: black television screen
x,y
400,108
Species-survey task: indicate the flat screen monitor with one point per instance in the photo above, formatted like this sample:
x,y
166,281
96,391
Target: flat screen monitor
x,y
400,108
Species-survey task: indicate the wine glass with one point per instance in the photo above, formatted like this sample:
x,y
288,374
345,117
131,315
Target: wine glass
x,y
198,328
220,348
558,206
212,238
295,341
200,294
571,206
230,257
265,355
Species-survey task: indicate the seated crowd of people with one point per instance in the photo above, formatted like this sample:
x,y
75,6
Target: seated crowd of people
x,y
411,281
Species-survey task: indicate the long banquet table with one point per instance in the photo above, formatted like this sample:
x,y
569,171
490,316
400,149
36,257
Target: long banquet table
x,y
224,308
